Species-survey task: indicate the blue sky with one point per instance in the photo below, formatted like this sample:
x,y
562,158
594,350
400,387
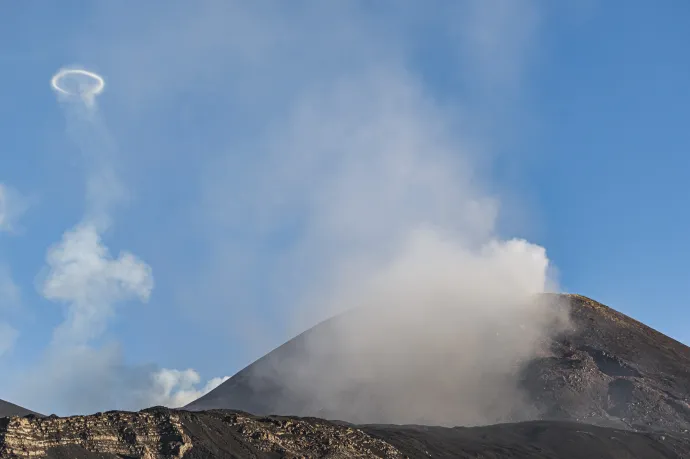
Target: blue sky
x,y
239,134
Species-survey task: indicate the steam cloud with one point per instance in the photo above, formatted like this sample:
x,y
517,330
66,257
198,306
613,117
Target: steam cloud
x,y
398,230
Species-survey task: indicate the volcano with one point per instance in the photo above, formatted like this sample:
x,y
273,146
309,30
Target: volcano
x,y
10,409
602,368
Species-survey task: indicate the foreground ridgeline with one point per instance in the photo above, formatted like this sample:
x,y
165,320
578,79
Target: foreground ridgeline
x,y
158,433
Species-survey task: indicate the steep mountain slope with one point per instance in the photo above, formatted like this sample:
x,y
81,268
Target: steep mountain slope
x,y
10,409
159,433
603,368
613,367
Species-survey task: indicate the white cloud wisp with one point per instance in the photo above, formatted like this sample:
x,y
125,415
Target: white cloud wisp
x,y
83,275
175,388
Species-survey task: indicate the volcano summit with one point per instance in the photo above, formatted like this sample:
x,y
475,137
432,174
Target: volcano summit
x,y
599,367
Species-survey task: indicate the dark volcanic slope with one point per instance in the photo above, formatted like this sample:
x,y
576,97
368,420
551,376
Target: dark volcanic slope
x,y
533,439
159,433
606,369
10,409
613,366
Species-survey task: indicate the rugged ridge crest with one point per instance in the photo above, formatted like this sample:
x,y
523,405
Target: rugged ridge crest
x,y
160,433
147,434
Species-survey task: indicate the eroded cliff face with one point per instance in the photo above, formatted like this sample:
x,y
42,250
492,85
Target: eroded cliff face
x,y
147,435
308,438
160,433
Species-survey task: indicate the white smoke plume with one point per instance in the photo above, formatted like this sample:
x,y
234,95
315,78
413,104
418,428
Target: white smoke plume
x,y
77,90
376,192
398,228
83,275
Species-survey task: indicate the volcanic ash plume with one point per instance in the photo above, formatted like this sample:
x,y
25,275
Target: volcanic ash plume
x,y
397,229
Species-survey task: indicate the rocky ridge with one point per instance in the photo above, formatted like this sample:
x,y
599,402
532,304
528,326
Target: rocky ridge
x,y
160,433
148,434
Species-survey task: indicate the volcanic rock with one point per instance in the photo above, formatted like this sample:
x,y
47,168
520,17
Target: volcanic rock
x,y
159,433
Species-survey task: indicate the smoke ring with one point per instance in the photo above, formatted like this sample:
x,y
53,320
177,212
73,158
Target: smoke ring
x,y
92,91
